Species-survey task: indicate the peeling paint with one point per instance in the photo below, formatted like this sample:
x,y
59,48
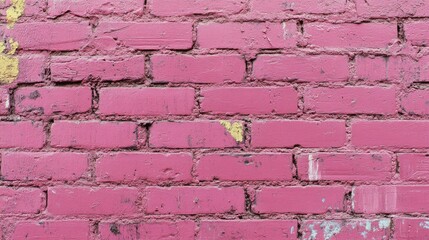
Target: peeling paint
x,y
313,234
313,168
330,229
384,223
424,224
14,12
235,129
9,68
13,46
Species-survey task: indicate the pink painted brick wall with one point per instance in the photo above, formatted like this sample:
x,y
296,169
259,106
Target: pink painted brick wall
x,y
214,119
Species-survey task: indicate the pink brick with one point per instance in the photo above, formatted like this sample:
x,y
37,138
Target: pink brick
x,y
416,102
198,69
97,7
53,100
414,167
345,166
31,68
245,167
391,199
191,7
198,134
273,7
416,33
21,135
248,229
66,229
194,200
347,35
423,70
148,35
52,36
392,69
249,100
310,199
97,68
183,230
351,100
392,134
33,8
43,166
92,201
21,200
356,229
411,228
94,134
146,101
247,35
304,133
395,8
4,101
301,68
152,167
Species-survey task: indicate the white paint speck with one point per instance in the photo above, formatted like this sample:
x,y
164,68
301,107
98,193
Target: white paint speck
x,y
292,230
7,102
313,168
384,223
330,229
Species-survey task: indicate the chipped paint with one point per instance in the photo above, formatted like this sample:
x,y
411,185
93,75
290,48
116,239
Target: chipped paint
x,y
384,223
313,234
424,224
9,68
235,129
14,12
313,168
330,229
13,46
7,102
292,230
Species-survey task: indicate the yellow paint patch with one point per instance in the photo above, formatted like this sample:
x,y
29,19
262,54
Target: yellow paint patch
x,y
235,129
14,12
9,68
13,46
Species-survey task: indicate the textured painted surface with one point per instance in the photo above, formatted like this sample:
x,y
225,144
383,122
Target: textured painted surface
x,y
214,119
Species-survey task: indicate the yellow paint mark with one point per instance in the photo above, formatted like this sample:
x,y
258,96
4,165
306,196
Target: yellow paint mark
x,y
14,12
235,129
2,47
9,68
13,46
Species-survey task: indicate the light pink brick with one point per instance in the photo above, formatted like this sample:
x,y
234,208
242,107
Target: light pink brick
x,y
21,200
392,69
416,102
305,200
31,68
191,7
148,35
351,100
277,7
348,35
197,134
94,134
53,100
357,229
154,167
146,101
249,100
58,229
248,229
22,135
345,166
245,167
389,8
43,166
413,167
301,68
391,134
198,69
194,200
391,199
416,33
4,101
271,134
72,69
422,70
75,201
98,7
247,35
411,228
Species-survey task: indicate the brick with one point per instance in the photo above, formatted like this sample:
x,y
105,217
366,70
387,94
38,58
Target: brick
x,y
391,199
278,7
154,167
73,201
73,69
392,69
31,68
58,229
416,102
197,134
148,35
245,167
98,7
23,166
21,200
248,229
93,135
21,135
345,166
151,101
248,100
183,230
392,134
416,34
33,8
198,69
301,68
247,35
4,101
193,7
348,35
53,100
411,228
395,8
351,100
271,134
422,70
413,167
303,200
194,200
346,229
